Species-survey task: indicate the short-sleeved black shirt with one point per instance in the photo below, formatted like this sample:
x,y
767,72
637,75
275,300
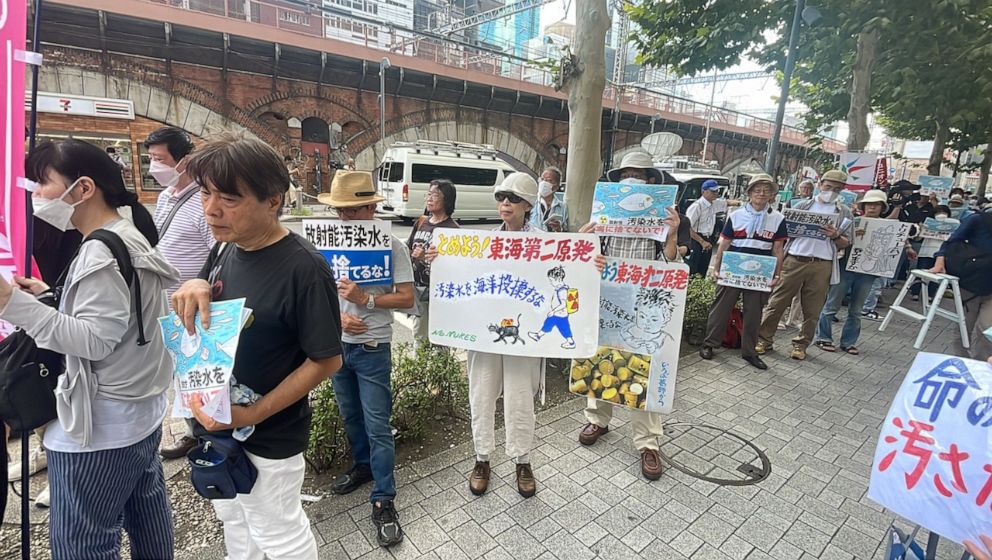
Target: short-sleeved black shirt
x,y
293,297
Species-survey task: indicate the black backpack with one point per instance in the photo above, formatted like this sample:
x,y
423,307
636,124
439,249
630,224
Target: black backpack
x,y
971,265
28,374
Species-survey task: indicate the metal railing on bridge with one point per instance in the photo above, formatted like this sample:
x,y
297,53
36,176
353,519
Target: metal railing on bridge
x,y
333,22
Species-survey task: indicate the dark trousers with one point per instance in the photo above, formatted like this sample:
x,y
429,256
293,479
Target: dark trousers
x,y
699,260
924,263
726,299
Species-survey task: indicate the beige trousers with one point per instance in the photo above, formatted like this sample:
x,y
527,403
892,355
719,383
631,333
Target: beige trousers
x,y
646,425
811,281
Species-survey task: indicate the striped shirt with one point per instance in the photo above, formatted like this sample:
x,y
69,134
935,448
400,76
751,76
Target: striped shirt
x,y
772,230
188,239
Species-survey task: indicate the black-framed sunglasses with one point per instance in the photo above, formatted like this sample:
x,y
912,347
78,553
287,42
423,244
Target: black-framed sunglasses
x,y
514,199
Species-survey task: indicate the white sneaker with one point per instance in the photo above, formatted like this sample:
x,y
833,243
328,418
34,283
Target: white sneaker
x,y
37,462
44,498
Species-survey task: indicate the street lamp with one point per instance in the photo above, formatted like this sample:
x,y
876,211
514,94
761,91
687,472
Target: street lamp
x,y
383,65
809,15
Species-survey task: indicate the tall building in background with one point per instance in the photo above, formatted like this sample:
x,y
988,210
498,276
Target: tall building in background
x,y
397,12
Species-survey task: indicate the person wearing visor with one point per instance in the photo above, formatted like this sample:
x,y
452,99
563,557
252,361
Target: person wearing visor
x,y
702,225
185,238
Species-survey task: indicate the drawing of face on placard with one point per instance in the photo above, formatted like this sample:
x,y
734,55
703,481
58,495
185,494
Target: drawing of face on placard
x,y
653,311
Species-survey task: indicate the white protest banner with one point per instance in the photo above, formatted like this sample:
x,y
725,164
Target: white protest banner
x,y
204,360
803,223
518,293
640,331
937,186
747,271
623,210
877,246
933,462
938,229
357,250
860,169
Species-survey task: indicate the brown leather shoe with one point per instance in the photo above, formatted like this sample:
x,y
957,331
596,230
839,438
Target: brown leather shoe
x,y
650,464
478,482
179,449
526,484
591,433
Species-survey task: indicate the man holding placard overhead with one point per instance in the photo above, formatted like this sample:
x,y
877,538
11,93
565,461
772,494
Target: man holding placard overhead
x,y
637,168
811,266
362,387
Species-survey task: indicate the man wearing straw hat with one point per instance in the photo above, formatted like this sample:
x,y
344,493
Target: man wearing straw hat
x,y
362,386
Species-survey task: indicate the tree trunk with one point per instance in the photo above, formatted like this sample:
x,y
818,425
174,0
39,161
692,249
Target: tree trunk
x,y
937,154
860,90
585,109
983,176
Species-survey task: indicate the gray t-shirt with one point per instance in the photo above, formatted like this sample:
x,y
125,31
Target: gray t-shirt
x,y
379,321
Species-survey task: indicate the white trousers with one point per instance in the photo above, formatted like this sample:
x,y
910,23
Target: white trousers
x,y
518,380
269,523
646,425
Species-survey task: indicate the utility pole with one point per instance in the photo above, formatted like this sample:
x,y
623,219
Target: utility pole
x,y
709,119
790,64
383,65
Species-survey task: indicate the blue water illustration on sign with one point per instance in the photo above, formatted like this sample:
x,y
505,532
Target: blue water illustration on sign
x,y
619,201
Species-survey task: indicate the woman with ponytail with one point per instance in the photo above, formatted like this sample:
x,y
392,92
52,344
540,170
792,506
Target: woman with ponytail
x,y
103,464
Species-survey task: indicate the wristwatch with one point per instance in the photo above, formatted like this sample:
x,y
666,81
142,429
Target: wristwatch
x,y
370,304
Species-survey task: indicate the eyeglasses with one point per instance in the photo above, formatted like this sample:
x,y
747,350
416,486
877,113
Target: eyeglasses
x,y
514,199
434,194
350,211
761,190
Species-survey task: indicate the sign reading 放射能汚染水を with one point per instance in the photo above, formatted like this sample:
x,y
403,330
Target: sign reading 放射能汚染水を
x,y
519,293
933,462
357,250
747,271
204,360
803,223
937,186
878,243
641,307
932,228
629,210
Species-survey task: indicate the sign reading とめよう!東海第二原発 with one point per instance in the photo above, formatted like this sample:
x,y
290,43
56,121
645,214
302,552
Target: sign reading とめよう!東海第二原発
x,y
357,250
933,462
204,360
518,293
747,271
632,210
641,307
877,246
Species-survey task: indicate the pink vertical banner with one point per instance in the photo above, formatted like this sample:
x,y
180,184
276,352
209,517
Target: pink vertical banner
x,y
13,36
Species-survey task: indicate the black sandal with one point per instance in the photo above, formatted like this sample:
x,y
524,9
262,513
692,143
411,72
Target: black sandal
x,y
825,346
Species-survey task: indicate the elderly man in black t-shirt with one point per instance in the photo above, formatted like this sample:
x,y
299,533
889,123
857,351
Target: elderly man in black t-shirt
x,y
291,342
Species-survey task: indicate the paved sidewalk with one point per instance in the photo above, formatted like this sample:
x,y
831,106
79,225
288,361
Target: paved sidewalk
x,y
817,420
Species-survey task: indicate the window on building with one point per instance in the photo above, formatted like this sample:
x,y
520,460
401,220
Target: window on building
x,y
298,18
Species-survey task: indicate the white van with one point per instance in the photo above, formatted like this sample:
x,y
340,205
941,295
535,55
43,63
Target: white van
x,y
408,168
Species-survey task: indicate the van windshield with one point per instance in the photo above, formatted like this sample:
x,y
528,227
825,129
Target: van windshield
x,y
426,172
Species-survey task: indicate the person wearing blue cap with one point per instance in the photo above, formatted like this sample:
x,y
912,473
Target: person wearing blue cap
x,y
702,216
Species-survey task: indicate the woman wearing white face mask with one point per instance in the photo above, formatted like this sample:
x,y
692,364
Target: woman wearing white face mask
x,y
103,462
928,249
550,214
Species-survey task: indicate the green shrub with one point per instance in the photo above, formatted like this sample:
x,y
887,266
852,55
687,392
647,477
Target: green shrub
x,y
698,301
426,383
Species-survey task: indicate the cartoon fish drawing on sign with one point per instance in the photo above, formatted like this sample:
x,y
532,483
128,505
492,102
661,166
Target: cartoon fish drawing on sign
x,y
636,202
750,266
598,206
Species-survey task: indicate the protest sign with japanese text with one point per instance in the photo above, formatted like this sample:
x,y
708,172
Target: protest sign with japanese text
x,y
357,250
803,223
623,210
204,360
937,186
747,271
878,243
640,331
518,293
933,462
938,229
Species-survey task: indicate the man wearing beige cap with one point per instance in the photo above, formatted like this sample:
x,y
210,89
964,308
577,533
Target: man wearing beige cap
x,y
362,386
810,267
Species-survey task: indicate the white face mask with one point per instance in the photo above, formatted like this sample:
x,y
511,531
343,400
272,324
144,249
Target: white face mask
x,y
828,197
544,188
56,211
942,216
163,174
633,181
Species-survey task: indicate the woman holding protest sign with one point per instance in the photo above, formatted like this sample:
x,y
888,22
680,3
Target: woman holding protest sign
x,y
440,207
103,462
757,229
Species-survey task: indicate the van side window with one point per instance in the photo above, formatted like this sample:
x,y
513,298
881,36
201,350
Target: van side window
x,y
425,173
393,172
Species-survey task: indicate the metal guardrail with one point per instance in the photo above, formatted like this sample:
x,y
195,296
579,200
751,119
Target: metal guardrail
x,y
289,15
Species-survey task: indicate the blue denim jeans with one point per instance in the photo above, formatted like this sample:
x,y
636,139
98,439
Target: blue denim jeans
x,y
872,300
859,285
362,389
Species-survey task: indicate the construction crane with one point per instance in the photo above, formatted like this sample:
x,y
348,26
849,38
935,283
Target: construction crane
x,y
490,15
